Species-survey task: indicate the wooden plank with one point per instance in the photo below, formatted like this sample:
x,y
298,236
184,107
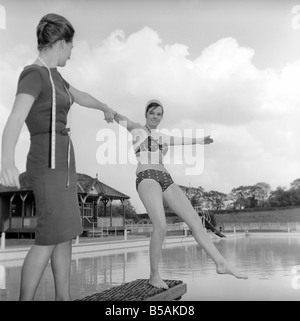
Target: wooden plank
x,y
174,293
140,290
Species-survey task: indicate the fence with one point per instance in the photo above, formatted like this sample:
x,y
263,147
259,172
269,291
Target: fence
x,y
274,226
20,223
147,227
103,222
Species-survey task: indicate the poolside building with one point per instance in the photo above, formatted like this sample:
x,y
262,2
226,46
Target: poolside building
x,y
18,213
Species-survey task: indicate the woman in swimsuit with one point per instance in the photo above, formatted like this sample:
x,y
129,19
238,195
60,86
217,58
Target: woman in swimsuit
x,y
155,186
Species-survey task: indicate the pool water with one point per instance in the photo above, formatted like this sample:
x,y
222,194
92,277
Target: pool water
x,y
272,264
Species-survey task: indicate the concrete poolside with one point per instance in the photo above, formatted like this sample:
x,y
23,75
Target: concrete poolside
x,y
17,249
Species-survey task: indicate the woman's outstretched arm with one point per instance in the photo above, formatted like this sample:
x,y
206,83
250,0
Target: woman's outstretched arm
x,y
126,122
86,100
175,140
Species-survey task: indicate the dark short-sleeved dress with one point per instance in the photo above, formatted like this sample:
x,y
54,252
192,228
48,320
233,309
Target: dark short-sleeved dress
x,y
57,208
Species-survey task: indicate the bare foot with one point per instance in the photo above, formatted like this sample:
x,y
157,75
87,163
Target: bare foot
x,y
157,282
225,268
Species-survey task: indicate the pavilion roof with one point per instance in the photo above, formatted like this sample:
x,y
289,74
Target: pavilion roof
x,y
86,185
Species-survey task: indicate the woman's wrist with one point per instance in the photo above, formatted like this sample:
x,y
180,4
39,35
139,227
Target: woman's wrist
x,y
104,108
200,140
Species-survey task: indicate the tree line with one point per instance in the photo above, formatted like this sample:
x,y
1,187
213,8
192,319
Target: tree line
x,y
243,197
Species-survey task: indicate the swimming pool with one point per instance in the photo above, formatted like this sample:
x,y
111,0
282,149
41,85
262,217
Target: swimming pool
x,y
272,264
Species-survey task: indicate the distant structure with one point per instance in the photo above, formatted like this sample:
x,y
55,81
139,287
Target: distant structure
x,y
18,213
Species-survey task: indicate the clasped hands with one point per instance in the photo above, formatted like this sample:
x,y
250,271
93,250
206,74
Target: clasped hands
x,y
109,115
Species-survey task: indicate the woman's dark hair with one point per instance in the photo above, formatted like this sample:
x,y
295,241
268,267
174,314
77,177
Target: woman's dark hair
x,y
153,104
51,28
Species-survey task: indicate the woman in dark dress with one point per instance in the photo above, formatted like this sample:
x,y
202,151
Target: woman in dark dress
x,y
43,100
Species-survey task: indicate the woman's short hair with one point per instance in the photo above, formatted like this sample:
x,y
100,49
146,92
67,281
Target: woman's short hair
x,y
51,28
153,103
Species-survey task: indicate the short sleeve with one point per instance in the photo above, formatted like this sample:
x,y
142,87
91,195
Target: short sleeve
x,y
30,82
64,81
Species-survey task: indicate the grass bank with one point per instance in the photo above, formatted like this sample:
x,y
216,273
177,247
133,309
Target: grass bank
x,y
278,215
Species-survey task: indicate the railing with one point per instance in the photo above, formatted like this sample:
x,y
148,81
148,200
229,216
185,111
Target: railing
x,y
107,221
265,226
22,222
93,225
147,227
105,226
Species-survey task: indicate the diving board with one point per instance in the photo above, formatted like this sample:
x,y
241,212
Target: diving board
x,y
140,290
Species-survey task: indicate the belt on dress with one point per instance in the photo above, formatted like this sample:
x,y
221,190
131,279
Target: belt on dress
x,y
63,132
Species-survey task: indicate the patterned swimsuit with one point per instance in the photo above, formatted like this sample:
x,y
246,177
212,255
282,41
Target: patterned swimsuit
x,y
150,151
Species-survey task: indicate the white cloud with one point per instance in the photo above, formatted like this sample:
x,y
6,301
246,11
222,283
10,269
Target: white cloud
x,y
221,85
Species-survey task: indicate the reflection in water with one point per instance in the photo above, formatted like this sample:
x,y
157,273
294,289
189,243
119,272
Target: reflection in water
x,y
270,263
2,277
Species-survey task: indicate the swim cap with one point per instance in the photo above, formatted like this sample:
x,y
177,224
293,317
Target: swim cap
x,y
154,102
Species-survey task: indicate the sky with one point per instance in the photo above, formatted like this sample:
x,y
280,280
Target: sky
x,y
229,69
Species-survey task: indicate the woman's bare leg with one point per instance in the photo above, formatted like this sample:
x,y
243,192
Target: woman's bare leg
x,y
180,205
32,270
61,267
151,195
